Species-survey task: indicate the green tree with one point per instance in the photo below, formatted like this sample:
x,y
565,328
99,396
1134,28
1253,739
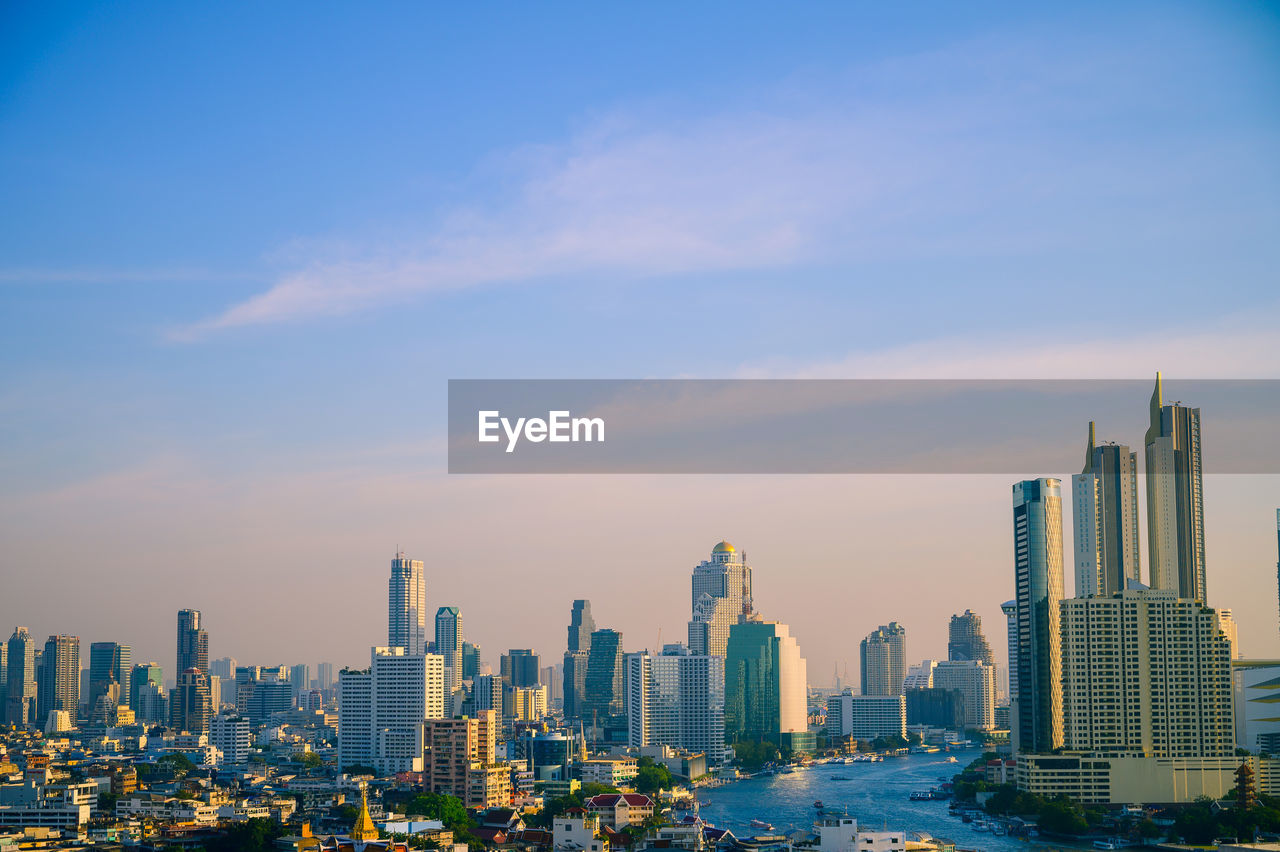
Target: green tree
x,y
255,835
652,777
1063,816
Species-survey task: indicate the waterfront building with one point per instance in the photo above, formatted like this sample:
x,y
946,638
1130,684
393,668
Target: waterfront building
x,y
1037,535
976,682
1147,673
966,641
884,660
1256,686
1105,510
866,717
1175,498
721,595
382,709
407,605
766,686
677,700
1095,780
936,708
193,642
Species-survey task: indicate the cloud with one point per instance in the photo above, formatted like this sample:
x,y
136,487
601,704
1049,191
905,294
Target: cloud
x,y
962,153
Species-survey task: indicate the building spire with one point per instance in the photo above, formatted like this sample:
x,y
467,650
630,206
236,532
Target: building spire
x,y
1157,402
364,829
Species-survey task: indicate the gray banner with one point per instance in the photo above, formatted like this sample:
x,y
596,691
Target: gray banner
x,y
1020,427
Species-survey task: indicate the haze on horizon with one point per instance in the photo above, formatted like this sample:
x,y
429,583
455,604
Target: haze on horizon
x,y
243,251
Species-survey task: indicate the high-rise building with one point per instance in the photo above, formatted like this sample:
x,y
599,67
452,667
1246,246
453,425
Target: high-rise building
x,y
139,676
1037,537
884,660
300,678
449,646
224,667
4,676
230,734
1175,498
866,717
407,605
976,681
581,626
20,701
1105,496
262,691
486,693
766,686
1010,610
59,687
190,704
193,642
1146,673
460,760
382,709
324,675
965,640
721,596
109,667
603,685
470,660
677,700
521,667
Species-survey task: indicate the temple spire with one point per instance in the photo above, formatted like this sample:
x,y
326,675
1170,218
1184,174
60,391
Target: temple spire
x,y
364,829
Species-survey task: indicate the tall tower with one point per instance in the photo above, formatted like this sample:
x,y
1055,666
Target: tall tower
x,y
190,704
581,626
20,698
603,695
407,605
1037,538
884,660
60,677
193,642
721,596
965,640
1175,498
449,646
1010,610
110,665
766,686
1105,493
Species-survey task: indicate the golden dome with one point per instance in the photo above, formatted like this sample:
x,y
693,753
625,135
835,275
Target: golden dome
x,y
724,547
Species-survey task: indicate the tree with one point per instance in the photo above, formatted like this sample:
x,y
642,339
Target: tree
x,y
1063,816
255,835
177,763
652,777
447,809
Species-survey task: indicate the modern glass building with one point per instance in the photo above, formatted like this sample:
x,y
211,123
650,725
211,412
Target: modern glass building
x,y
602,689
766,686
1037,536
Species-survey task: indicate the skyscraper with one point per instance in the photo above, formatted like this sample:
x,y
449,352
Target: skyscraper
x,y
190,704
449,646
109,666
139,676
884,660
470,660
520,667
721,596
766,686
59,687
965,640
602,692
581,626
20,700
1037,536
676,700
1146,673
193,642
1278,554
1105,494
1010,610
1175,498
382,710
976,681
407,605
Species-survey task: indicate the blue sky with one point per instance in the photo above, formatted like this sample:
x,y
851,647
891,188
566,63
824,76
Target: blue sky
x,y
244,248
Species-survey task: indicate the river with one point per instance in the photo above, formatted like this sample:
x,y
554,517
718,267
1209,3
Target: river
x,y
876,794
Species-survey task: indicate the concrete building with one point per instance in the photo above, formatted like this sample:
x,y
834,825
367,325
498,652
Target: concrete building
x,y
866,717
459,760
721,595
449,647
382,709
193,642
1092,779
1105,509
966,641
521,667
20,695
1037,537
677,700
407,605
1010,610
230,734
578,649
59,687
976,682
190,705
766,686
1145,673
1175,499
883,656
1256,686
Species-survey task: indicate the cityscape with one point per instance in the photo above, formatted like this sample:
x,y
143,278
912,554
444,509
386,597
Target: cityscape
x,y
1120,703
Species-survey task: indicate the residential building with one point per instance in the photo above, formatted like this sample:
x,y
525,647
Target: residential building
x,y
59,687
1175,498
884,660
619,810
866,717
721,595
1010,610
1037,536
609,771
459,759
20,696
407,606
382,709
193,642
676,699
766,686
976,682
965,640
140,674
1105,498
230,734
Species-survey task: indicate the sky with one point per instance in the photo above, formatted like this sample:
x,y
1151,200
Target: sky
x,y
243,249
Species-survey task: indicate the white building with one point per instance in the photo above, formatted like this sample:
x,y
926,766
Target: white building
x,y
577,834
407,606
920,676
381,710
866,717
721,595
841,834
230,735
676,699
1257,688
977,682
